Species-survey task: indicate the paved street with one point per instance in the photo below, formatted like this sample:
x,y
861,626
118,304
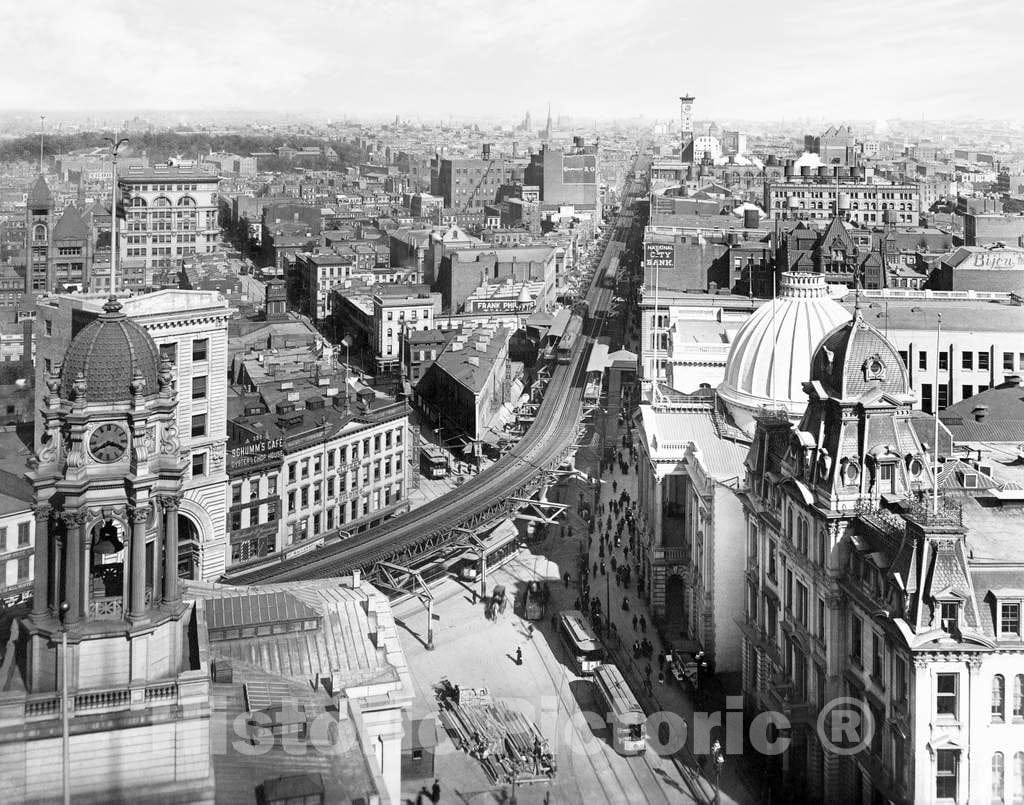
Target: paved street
x,y
474,652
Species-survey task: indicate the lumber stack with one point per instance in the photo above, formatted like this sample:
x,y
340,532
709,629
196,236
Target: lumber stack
x,y
509,746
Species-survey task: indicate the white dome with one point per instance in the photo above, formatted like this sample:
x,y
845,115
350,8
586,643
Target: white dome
x,y
770,359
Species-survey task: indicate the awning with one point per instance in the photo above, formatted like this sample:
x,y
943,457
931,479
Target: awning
x,y
598,358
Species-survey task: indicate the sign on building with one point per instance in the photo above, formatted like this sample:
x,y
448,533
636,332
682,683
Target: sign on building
x,y
659,255
579,169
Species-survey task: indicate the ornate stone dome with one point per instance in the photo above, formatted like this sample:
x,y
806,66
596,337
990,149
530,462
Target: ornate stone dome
x,y
109,352
855,360
770,359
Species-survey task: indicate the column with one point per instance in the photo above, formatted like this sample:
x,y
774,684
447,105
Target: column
x,y
170,507
40,596
57,563
137,584
75,522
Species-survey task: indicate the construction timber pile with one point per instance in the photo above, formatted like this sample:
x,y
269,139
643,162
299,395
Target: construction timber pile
x,y
509,747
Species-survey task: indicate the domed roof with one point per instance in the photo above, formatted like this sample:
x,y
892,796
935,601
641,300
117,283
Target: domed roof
x,y
855,360
524,294
108,353
770,359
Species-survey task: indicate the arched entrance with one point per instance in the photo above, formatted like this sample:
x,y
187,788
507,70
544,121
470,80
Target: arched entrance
x,y
188,548
675,600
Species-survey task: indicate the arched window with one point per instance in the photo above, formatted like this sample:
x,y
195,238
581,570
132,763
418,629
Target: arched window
x,y
186,201
998,782
161,201
1018,779
1018,699
998,697
390,333
138,201
39,232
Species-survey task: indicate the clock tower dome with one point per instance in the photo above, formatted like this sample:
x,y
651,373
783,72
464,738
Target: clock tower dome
x,y
107,481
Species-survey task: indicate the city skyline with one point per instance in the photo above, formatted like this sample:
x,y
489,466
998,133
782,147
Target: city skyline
x,y
876,61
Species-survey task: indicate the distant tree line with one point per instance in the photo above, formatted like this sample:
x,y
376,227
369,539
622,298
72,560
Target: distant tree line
x,y
160,145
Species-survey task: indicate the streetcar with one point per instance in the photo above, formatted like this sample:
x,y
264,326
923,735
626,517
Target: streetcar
x,y
499,547
582,645
433,462
624,715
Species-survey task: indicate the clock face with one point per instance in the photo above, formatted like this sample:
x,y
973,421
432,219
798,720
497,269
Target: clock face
x,y
108,442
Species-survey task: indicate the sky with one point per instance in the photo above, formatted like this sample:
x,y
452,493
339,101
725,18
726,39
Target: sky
x,y
432,59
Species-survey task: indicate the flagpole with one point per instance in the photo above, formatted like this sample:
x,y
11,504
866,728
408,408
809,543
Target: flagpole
x,y
775,340
935,435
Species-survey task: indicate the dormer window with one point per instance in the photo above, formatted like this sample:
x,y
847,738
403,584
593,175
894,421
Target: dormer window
x,y
1009,619
949,616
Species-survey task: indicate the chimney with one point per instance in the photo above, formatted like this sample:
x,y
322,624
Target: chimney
x,y
26,345
357,578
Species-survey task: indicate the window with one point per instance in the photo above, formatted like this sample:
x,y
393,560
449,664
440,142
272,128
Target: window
x,y
198,425
291,501
772,567
877,658
821,618
966,392
198,464
856,640
926,397
967,360
199,388
998,697
236,493
943,396
998,782
200,349
23,568
823,546
789,590
983,363
1018,779
943,361
899,680
49,326
272,485
1018,697
922,360
905,358
899,758
1009,619
802,606
886,478
23,536
291,473
1008,361
946,763
819,685
169,352
949,615
945,694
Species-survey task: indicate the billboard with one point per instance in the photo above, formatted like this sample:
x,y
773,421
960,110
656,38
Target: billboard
x,y
255,453
579,169
500,306
659,255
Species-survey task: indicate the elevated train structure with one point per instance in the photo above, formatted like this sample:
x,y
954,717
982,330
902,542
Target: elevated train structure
x,y
498,492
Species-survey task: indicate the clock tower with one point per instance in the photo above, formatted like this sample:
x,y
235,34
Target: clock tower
x,y
686,127
107,482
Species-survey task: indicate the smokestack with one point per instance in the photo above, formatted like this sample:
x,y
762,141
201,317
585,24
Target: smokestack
x,y
751,219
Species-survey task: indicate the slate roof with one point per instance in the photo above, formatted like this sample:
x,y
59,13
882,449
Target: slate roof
x,y
1003,419
39,195
70,226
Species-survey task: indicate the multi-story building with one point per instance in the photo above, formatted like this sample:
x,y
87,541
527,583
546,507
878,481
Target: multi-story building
x,y
399,310
313,278
170,213
566,176
190,329
17,522
467,185
862,591
865,198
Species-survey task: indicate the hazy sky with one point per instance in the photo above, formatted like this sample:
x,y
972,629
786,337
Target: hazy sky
x,y
756,60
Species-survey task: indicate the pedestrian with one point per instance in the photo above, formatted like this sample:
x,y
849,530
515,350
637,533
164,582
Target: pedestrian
x,y
565,578
661,677
595,569
615,564
519,655
647,671
615,486
634,623
643,624
435,792
603,571
423,796
529,632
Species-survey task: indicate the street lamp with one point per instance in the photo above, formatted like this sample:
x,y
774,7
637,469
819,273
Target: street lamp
x,y
347,343
65,725
114,148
